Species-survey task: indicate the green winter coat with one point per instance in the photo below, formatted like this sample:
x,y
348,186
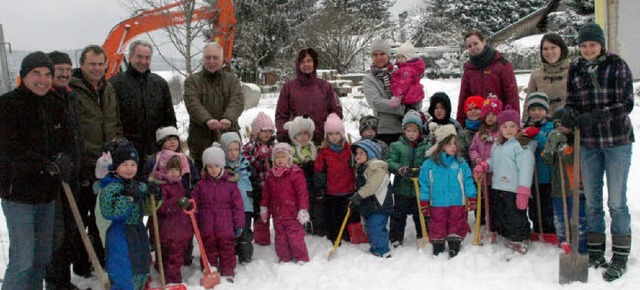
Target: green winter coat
x,y
210,96
99,116
465,138
399,154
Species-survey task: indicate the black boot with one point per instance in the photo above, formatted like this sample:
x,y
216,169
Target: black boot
x,y
621,246
454,245
438,247
244,246
596,246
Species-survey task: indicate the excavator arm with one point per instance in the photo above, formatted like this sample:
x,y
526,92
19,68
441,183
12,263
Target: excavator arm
x,y
222,18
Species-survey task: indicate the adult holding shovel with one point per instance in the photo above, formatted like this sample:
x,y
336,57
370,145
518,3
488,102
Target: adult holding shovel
x,y
599,100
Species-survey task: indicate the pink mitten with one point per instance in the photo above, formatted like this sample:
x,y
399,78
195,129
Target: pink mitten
x,y
522,198
394,102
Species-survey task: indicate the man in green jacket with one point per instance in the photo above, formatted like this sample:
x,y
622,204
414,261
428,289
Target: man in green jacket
x,y
99,122
214,102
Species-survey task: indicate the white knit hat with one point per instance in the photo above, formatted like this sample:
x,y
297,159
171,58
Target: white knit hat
x,y
295,127
407,50
163,133
214,155
441,133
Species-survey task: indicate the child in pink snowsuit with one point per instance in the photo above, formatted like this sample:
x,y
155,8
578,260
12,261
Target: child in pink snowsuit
x,y
175,227
285,196
405,84
220,211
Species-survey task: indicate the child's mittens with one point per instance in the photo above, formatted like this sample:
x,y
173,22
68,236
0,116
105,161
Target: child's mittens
x,y
264,214
409,172
303,216
522,197
531,131
237,232
480,169
425,208
472,203
355,200
155,190
394,102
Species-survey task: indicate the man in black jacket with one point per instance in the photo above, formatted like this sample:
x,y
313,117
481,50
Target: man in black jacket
x,y
37,150
144,100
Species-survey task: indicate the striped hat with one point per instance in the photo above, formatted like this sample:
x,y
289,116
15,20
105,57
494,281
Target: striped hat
x,y
372,149
538,99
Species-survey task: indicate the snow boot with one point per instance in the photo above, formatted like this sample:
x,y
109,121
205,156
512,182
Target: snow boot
x,y
520,247
438,247
596,247
621,246
454,245
244,246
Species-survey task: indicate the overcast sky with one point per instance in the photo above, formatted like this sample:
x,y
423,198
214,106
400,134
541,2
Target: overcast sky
x,y
72,24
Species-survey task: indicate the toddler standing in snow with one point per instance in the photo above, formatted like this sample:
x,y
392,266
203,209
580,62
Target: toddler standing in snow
x,y
258,153
220,211
512,163
405,86
373,195
446,183
285,197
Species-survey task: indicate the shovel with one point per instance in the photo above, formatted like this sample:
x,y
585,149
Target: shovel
x,y
102,276
156,232
422,243
337,243
210,279
574,266
476,237
566,245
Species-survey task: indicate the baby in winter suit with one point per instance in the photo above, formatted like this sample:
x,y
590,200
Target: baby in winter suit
x,y
406,87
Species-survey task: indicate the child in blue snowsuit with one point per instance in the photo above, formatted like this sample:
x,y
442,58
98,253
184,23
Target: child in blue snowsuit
x,y
122,201
373,195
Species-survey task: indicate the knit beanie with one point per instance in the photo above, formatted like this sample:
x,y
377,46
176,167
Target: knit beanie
x,y
333,124
214,155
282,148
440,98
473,102
35,60
368,122
538,99
260,123
298,125
165,132
227,138
441,133
372,149
381,45
124,152
57,57
509,114
491,105
591,32
407,50
102,165
412,116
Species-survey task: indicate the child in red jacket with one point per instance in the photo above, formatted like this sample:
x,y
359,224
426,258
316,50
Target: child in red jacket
x,y
406,87
335,178
285,196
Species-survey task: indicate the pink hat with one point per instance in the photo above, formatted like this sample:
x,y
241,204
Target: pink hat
x,y
491,105
162,158
260,123
333,124
509,114
283,148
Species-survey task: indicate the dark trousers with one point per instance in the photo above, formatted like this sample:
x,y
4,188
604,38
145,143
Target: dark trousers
x,y
514,222
86,205
546,206
403,206
335,208
389,138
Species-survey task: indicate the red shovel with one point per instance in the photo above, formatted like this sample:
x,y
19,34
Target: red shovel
x,y
210,279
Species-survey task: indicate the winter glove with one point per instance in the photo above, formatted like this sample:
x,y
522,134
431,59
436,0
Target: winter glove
x,y
303,216
263,152
237,232
184,203
569,118
522,197
394,102
155,190
589,120
250,194
472,203
264,214
60,166
480,169
425,208
409,172
531,132
355,200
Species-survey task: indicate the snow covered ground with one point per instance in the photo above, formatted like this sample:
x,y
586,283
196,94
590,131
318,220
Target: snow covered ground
x,y
352,267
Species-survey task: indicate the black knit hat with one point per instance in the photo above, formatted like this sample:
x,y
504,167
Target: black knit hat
x,y
35,60
123,152
60,58
440,98
591,32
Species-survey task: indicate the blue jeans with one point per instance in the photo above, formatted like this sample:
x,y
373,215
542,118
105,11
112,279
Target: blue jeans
x,y
615,161
30,243
376,228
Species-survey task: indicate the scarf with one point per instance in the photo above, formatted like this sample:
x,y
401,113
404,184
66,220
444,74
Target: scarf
x,y
473,125
336,148
485,58
384,75
557,67
591,68
279,171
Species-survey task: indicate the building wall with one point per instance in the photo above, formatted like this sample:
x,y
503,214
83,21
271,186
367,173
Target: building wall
x,y
619,21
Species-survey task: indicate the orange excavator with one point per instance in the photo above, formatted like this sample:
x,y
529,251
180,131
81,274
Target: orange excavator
x,y
222,17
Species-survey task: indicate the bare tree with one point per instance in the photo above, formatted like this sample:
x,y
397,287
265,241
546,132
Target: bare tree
x,y
182,36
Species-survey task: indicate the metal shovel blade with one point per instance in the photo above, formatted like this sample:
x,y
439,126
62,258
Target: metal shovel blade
x,y
574,267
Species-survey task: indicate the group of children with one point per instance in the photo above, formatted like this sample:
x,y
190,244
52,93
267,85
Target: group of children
x,y
305,188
